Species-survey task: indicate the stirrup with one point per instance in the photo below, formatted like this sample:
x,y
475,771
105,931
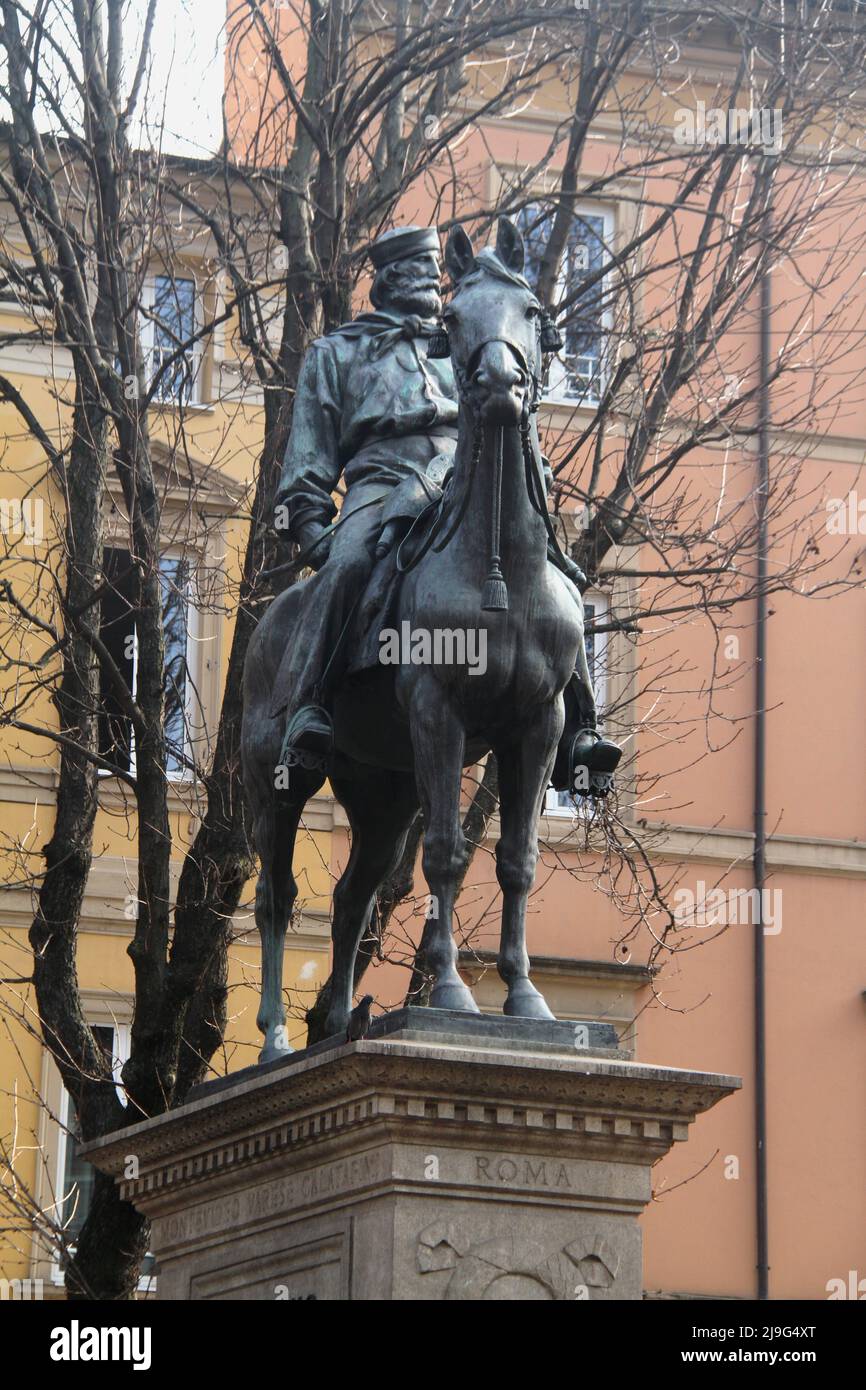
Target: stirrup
x,y
599,764
309,740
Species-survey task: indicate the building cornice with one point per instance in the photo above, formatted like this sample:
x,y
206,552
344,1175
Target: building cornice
x,y
706,845
112,883
635,975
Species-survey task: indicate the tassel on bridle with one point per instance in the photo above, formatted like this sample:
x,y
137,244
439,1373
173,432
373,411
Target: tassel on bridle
x,y
494,595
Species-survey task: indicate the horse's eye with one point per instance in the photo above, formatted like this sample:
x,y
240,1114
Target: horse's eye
x,y
533,311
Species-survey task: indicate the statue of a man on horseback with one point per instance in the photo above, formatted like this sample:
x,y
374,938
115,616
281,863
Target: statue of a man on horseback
x,y
433,419
375,407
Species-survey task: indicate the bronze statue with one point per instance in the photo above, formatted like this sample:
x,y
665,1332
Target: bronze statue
x,y
444,530
372,407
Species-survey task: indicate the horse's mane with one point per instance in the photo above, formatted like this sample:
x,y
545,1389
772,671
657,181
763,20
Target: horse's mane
x,y
488,263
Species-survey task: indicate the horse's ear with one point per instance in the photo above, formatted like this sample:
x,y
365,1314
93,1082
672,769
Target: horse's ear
x,y
459,256
509,245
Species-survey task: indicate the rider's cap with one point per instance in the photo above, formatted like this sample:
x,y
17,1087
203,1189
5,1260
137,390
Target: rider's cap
x,y
401,243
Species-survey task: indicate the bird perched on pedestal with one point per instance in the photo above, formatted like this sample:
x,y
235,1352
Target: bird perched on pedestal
x,y
360,1019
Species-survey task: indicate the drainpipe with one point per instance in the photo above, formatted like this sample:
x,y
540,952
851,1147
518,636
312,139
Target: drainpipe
x,y
760,784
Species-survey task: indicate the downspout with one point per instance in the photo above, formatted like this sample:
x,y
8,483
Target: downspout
x,y
760,787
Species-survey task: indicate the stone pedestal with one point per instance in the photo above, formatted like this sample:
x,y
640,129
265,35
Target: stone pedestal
x,y
503,1162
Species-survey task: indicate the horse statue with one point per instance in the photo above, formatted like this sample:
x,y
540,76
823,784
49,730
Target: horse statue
x,y
404,733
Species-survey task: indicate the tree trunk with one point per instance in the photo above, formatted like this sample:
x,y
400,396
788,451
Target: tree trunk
x,y
111,1246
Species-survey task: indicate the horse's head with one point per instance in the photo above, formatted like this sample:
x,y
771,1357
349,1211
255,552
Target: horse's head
x,y
493,321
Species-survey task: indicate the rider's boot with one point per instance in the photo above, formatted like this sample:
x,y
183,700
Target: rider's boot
x,y
585,759
309,739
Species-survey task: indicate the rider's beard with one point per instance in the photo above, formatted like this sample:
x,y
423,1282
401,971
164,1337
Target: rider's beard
x,y
414,299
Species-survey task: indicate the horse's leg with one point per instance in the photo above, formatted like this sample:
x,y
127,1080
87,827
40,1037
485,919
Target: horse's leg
x,y
524,771
380,806
274,829
439,741
275,820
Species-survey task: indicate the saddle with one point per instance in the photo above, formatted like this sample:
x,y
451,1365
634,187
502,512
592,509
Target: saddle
x,y
407,519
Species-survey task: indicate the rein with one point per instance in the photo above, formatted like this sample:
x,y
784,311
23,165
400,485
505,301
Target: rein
x,y
537,494
444,514
494,597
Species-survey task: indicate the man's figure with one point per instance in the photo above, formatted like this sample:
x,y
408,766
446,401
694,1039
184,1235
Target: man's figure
x,y
372,407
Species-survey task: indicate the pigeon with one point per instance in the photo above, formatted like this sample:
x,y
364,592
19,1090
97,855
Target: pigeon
x,y
359,1020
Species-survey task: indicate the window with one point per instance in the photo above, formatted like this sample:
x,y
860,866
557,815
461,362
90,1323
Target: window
x,y
170,320
595,610
176,612
118,633
578,374
75,1177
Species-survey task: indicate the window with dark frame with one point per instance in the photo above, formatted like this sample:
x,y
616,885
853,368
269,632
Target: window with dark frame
x,y
583,320
118,633
170,324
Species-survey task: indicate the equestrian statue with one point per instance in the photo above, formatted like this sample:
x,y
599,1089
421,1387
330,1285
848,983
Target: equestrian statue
x,y
429,419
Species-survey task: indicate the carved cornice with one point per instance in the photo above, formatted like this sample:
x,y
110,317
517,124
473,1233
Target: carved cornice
x,y
579,1105
634,976
802,853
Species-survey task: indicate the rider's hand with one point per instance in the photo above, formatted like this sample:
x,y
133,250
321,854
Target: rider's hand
x,y
307,536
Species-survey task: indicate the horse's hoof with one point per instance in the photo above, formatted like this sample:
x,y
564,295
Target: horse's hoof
x,y
453,996
524,1001
275,1047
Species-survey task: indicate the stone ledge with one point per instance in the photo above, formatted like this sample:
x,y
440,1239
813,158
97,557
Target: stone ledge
x,y
417,1089
491,1030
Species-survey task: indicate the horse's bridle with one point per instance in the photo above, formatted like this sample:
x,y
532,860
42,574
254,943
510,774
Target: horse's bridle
x,y
451,513
463,376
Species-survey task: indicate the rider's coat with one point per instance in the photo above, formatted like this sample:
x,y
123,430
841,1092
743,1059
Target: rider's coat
x,y
370,407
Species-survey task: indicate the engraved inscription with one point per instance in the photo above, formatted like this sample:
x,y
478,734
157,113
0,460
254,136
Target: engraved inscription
x,y
523,1172
343,1175
273,1197
279,1195
204,1220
